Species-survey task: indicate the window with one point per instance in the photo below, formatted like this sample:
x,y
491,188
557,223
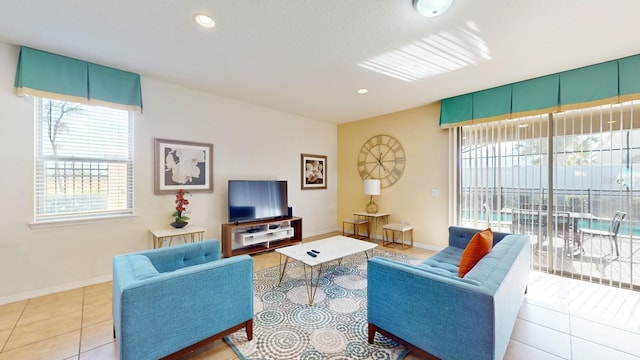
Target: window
x,y
83,161
556,177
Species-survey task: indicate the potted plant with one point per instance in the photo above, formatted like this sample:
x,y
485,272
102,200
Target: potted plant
x,y
179,216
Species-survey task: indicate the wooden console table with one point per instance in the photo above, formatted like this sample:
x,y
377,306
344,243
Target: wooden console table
x,y
259,236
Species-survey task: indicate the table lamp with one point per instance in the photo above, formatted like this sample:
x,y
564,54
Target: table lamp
x,y
372,187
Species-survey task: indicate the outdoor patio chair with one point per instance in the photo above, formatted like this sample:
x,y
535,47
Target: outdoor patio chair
x,y
612,233
531,221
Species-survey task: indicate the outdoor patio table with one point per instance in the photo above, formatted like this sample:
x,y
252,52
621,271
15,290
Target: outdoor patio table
x,y
538,219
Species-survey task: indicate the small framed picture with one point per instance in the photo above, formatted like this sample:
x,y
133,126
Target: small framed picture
x,y
314,171
182,165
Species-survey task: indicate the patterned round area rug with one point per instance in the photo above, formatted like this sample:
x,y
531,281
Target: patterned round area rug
x,y
333,328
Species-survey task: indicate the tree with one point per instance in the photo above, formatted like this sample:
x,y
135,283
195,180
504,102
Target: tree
x,y
55,113
579,150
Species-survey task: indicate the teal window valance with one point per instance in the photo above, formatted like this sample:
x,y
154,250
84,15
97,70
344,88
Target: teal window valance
x,y
605,83
59,77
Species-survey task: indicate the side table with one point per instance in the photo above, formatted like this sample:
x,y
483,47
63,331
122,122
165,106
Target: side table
x,y
188,233
374,219
394,228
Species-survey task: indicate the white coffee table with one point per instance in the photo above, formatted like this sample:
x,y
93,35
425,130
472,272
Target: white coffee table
x,y
329,249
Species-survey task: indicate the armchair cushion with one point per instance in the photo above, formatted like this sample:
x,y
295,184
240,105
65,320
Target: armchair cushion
x,y
141,267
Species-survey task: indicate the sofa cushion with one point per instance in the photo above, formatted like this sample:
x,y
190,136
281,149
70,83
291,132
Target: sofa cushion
x,y
448,259
445,263
141,267
479,246
438,269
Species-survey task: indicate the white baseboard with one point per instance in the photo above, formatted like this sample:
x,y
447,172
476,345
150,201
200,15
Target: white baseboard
x,y
428,247
54,289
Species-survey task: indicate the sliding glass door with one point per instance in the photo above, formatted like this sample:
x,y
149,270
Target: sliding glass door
x,y
565,180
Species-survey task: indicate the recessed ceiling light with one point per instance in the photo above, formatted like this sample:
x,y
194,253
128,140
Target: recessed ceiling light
x,y
362,91
432,8
204,20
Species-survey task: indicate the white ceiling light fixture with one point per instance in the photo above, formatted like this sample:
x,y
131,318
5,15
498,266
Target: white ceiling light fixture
x,y
362,91
204,20
432,8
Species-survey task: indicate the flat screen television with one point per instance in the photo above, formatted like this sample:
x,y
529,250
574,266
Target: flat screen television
x,y
251,200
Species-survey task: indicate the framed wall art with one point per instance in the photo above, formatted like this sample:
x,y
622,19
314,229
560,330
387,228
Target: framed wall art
x,y
182,165
314,171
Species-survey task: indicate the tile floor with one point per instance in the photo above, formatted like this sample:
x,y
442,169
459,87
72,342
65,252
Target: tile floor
x,y
560,319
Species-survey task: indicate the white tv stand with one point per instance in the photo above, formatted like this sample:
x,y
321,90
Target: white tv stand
x,y
258,236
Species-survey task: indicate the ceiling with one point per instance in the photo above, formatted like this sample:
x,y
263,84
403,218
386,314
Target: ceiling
x,y
309,57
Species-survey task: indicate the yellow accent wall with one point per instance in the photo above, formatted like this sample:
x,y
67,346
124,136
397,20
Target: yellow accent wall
x,y
420,196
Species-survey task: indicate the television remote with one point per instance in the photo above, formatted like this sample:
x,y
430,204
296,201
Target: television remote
x,y
315,251
311,254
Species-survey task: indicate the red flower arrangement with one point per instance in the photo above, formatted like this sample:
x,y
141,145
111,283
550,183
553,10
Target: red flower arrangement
x,y
181,208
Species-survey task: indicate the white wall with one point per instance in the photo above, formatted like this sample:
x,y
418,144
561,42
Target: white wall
x,y
250,142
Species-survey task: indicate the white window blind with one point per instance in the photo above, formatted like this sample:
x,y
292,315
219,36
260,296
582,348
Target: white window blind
x,y
83,161
562,179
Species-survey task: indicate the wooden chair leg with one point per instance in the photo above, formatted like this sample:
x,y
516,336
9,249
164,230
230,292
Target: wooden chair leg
x,y
372,333
249,329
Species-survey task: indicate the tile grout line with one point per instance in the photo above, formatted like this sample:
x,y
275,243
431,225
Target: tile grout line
x,y
15,324
571,316
540,325
569,301
84,293
602,325
534,347
28,344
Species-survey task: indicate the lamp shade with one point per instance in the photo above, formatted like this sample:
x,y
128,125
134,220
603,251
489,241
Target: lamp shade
x,y
432,8
372,187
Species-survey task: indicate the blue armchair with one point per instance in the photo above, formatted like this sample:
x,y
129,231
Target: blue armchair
x,y
172,299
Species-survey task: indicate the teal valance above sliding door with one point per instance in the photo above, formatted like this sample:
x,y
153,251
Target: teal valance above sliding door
x,y
629,78
605,83
457,110
59,77
492,103
589,86
535,96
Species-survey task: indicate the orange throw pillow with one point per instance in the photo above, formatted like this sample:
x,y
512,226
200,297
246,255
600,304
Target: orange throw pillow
x,y
476,249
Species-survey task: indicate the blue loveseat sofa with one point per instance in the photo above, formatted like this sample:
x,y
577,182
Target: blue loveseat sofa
x,y
430,309
168,300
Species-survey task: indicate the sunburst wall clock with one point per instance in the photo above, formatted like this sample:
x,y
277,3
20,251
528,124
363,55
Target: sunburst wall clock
x,y
382,157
